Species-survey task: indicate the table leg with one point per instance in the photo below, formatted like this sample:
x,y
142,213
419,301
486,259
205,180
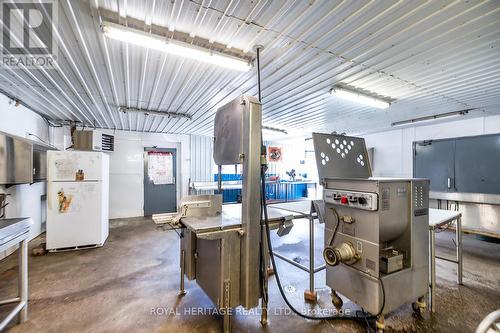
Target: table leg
x,y
432,242
311,254
310,294
182,291
23,279
226,328
459,250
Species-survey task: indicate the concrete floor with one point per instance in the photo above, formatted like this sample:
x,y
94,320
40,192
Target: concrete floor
x,y
131,284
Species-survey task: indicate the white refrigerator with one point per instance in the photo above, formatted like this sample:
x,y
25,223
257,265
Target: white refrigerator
x,y
77,199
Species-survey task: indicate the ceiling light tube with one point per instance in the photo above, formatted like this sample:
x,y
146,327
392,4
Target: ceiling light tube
x,y
430,118
274,129
143,39
357,97
168,114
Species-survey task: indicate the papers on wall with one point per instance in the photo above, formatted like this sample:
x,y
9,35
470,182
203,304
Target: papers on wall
x,y
161,167
274,154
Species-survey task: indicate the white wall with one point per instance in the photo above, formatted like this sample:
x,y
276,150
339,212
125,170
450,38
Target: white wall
x,y
393,155
24,200
127,169
202,162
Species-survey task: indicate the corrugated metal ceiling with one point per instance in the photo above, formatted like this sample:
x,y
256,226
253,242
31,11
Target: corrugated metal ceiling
x,y
431,56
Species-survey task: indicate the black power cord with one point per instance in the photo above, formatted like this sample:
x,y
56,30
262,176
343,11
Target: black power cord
x,y
262,263
361,319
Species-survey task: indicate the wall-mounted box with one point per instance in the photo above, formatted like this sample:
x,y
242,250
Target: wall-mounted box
x,y
93,140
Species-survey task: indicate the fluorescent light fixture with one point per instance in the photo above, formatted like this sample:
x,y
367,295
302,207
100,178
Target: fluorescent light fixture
x,y
167,114
431,118
137,37
274,129
357,97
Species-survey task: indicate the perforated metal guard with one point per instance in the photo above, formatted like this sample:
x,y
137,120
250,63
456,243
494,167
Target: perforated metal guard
x,y
339,156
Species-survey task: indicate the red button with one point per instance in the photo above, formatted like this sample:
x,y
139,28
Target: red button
x,y
344,200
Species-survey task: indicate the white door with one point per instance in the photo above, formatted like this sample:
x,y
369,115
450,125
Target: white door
x,y
74,214
63,165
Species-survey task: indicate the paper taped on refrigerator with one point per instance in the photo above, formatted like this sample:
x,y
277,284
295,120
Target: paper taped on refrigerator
x,y
65,166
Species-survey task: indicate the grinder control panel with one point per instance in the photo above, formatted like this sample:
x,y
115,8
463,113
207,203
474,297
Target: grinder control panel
x,y
354,199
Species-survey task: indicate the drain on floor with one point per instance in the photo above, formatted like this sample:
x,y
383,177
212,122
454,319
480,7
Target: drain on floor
x,y
289,288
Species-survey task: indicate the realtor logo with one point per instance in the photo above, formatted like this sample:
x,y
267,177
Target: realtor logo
x,y
28,33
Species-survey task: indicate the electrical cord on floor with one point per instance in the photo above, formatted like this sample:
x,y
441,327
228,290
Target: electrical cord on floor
x,y
262,268
360,319
262,272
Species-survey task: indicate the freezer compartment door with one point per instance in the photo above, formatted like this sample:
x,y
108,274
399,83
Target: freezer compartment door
x,y
64,165
74,215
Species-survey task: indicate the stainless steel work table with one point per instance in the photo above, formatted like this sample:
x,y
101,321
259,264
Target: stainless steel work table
x,y
231,219
14,232
439,218
305,209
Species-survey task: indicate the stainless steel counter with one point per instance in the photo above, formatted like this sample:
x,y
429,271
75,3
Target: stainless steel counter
x,y
300,207
480,212
480,198
11,229
14,232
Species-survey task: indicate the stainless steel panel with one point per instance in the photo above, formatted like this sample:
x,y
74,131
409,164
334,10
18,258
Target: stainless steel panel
x,y
39,164
16,161
392,216
231,219
251,209
201,205
188,244
481,198
228,132
218,267
400,223
208,268
11,228
477,218
400,287
231,271
339,156
391,261
363,200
